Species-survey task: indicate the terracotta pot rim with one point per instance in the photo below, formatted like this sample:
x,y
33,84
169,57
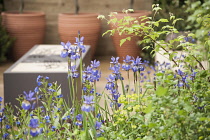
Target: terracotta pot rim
x,y
25,13
79,15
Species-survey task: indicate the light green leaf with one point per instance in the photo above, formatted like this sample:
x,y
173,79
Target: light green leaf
x,y
128,38
101,138
188,108
156,24
152,125
161,91
163,20
208,42
149,109
203,118
122,41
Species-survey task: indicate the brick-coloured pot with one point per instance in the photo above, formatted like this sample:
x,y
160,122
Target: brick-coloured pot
x,y
27,28
88,25
129,47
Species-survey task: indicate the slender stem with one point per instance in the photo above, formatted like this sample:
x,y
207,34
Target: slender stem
x,y
128,83
199,62
70,80
73,93
1,124
164,50
95,101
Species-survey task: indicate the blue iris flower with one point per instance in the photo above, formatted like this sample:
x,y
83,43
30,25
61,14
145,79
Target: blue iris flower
x,y
1,99
79,119
26,105
116,72
59,96
79,40
98,128
127,59
110,83
36,89
5,135
49,84
115,97
180,72
74,73
47,117
17,123
53,128
114,60
75,56
91,74
35,131
71,51
79,43
87,74
126,65
116,69
84,89
98,94
113,104
98,115
137,65
193,74
8,126
98,125
92,90
39,80
95,75
34,123
66,48
29,96
95,64
88,104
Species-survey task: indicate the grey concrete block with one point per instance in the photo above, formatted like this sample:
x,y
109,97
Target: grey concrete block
x,y
22,75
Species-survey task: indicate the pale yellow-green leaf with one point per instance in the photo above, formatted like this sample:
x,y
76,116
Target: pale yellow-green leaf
x,y
163,20
161,91
122,41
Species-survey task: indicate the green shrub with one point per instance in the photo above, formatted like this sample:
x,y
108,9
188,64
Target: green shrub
x,y
5,43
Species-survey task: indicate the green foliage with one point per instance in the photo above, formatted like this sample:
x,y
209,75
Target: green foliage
x,y
5,43
199,24
197,10
176,8
167,108
2,7
165,102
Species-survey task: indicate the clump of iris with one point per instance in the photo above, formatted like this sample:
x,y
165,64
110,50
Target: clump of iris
x,y
28,98
34,127
112,85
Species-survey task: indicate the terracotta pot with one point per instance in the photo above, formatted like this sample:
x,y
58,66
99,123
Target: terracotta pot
x,y
27,28
88,25
129,47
